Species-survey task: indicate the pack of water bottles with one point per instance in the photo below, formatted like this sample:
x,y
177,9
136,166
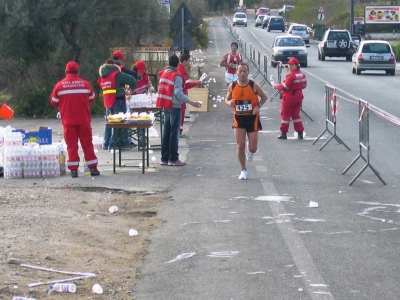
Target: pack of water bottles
x,y
31,161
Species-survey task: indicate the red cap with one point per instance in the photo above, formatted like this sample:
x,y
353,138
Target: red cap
x,y
118,54
141,66
293,61
72,66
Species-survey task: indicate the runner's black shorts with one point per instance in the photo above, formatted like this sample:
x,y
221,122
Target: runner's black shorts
x,y
251,123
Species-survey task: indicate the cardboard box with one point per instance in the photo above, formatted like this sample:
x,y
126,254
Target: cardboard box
x,y
198,94
42,137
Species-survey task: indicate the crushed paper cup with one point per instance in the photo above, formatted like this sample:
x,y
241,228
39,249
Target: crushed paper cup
x,y
313,204
133,232
113,209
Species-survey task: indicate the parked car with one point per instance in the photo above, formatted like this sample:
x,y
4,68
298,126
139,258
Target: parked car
x,y
336,43
239,18
285,9
265,21
285,47
300,30
276,23
259,20
263,11
374,55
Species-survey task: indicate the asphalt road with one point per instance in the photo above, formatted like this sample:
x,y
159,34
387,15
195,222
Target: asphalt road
x,y
260,239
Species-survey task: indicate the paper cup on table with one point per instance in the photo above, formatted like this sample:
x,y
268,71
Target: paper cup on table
x,y
6,112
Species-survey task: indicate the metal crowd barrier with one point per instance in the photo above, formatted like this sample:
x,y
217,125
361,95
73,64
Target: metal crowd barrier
x,y
331,107
363,137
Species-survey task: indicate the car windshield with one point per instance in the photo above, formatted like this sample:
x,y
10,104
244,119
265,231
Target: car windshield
x,y
263,10
261,17
299,28
337,35
276,20
289,42
240,16
376,48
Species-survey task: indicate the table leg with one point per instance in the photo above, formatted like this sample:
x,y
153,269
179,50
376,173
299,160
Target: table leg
x,y
120,140
144,147
147,148
113,134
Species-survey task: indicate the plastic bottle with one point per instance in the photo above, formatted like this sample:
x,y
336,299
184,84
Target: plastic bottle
x,y
86,168
271,80
63,287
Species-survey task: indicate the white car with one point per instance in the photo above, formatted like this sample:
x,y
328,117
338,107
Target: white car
x,y
300,30
239,18
285,9
374,55
287,46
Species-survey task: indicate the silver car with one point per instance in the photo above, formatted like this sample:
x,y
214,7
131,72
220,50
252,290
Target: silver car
x,y
239,18
300,30
287,46
259,20
374,55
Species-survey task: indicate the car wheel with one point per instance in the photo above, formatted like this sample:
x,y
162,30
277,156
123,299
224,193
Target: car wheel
x,y
283,30
269,30
319,55
358,71
304,65
342,43
307,42
322,56
245,25
348,57
353,70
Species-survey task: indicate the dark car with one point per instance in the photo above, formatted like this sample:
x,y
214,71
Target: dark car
x,y
336,43
276,23
265,21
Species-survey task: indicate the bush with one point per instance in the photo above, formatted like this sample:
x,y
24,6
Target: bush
x,y
396,49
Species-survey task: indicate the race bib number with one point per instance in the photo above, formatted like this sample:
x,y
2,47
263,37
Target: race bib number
x,y
244,108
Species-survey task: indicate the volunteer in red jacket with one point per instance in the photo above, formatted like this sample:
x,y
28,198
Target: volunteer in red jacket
x,y
170,98
72,96
292,98
185,63
230,61
143,83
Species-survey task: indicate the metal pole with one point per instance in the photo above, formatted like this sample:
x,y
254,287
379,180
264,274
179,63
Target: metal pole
x,y
351,16
183,31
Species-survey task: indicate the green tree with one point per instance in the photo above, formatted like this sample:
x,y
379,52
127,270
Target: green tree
x,y
40,36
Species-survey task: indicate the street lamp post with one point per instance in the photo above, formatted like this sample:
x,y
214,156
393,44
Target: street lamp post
x,y
351,16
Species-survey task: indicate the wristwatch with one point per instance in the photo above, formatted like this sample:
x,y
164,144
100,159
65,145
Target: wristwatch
x,y
259,105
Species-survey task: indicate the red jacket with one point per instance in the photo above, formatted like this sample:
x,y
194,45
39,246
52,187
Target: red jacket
x,y
109,87
293,85
141,84
166,88
72,96
188,84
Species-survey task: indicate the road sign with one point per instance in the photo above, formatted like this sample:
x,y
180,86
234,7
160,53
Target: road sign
x,y
321,16
184,12
321,10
